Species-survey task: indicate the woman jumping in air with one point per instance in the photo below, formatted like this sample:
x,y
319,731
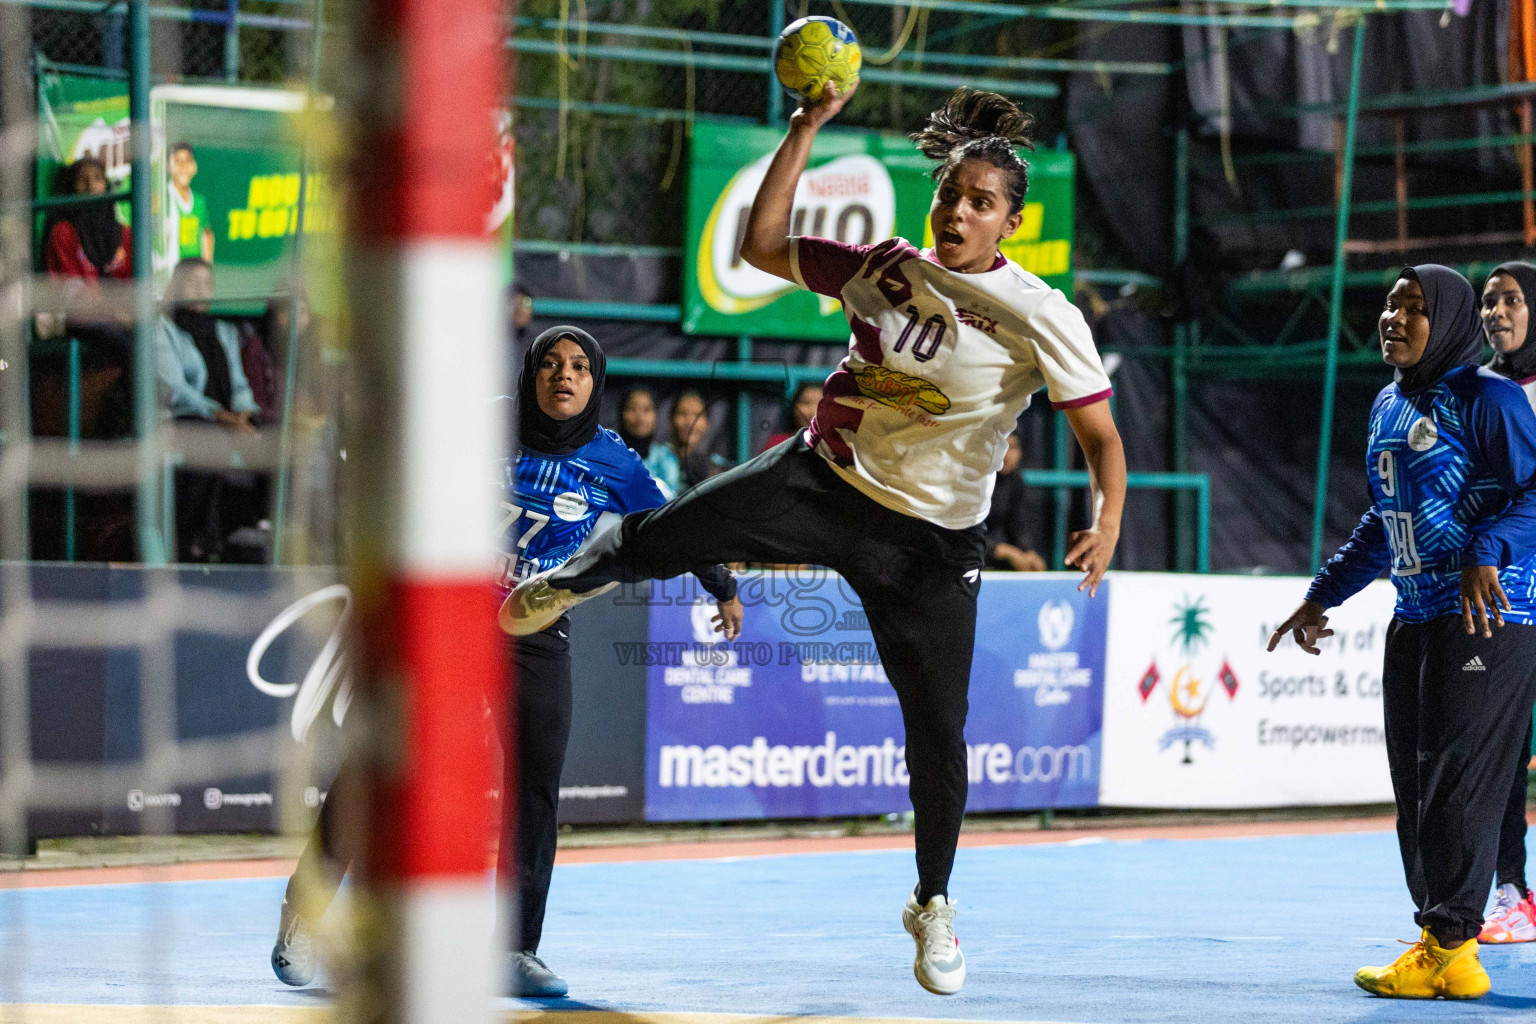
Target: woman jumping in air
x,y
890,483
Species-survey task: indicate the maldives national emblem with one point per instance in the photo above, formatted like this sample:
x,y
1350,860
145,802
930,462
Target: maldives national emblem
x,y
1189,693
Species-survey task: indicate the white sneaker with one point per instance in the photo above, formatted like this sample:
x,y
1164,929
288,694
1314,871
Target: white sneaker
x,y
532,978
939,965
534,604
293,955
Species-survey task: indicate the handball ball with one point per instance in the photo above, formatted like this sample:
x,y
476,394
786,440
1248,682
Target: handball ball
x,y
814,51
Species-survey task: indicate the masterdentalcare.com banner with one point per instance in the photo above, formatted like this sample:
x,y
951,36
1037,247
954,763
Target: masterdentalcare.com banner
x,y
799,719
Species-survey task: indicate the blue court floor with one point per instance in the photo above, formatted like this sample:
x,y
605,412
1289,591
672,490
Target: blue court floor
x,y
1208,930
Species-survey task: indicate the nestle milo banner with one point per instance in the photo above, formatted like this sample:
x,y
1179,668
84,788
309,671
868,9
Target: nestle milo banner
x,y
226,169
859,187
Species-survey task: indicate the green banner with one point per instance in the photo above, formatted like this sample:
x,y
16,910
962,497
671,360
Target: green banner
x,y
82,117
226,174
859,187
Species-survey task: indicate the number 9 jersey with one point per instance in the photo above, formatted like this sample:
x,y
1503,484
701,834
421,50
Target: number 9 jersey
x,y
1452,470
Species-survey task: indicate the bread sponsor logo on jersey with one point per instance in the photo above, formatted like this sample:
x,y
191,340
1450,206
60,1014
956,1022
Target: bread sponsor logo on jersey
x,y
1190,690
1423,434
977,320
901,390
850,199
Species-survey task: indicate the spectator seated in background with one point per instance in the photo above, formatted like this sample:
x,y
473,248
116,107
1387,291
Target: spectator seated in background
x,y
797,413
690,424
637,429
86,241
260,345
197,355
1008,522
84,245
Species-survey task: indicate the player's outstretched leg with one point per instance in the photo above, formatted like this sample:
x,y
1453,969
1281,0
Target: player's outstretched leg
x,y
919,584
770,509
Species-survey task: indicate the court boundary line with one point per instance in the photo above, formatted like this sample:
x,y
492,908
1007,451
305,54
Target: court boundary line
x,y
718,850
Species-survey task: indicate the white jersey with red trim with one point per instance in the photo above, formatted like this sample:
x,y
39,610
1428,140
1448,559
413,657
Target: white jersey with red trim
x,y
938,370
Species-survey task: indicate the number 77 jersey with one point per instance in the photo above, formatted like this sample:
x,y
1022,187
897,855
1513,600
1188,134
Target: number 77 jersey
x,y
938,370
551,504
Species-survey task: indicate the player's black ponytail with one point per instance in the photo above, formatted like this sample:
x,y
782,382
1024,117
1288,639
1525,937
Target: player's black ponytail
x,y
977,125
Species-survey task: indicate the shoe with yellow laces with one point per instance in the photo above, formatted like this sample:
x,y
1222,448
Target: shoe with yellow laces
x,y
1428,971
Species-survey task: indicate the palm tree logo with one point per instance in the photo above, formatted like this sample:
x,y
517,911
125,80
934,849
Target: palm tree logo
x,y
1188,693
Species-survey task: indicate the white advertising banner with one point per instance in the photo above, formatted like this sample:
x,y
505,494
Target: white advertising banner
x,y
1198,714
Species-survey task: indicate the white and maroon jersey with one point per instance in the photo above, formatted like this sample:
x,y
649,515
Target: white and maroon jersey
x,y
938,370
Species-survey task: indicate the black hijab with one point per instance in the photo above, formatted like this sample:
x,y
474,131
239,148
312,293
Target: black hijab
x,y
1455,327
536,429
203,327
641,445
1521,363
94,220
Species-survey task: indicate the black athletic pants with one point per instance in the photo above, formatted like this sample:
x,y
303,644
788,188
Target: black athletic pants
x,y
1457,708
918,583
542,697
1512,831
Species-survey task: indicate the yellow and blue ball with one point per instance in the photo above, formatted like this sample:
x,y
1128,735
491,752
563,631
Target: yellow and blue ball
x,y
814,51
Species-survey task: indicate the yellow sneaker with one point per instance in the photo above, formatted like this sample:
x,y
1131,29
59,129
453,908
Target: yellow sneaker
x,y
1427,971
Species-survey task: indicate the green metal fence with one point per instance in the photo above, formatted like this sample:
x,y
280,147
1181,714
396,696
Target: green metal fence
x,y
606,90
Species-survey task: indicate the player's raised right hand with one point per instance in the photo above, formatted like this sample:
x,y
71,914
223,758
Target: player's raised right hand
x,y
814,115
1307,624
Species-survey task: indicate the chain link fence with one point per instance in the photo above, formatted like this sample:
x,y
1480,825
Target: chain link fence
x,y
603,113
254,41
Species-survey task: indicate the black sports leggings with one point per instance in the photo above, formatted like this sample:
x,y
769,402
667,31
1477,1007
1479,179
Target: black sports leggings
x,y
542,697
1457,708
542,728
918,583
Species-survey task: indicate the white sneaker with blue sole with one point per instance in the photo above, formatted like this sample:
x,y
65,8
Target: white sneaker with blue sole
x,y
939,965
532,978
293,955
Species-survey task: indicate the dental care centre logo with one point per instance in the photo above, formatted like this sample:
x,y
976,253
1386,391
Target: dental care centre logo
x,y
1054,673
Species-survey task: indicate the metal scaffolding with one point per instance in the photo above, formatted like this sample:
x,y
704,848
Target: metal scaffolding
x,y
1210,344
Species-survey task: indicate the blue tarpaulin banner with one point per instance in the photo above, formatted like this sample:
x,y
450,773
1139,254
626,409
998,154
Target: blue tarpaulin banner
x,y
798,718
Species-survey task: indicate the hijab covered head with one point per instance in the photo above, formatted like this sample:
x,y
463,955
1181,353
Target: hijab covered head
x,y
538,430
1455,326
1521,363
94,220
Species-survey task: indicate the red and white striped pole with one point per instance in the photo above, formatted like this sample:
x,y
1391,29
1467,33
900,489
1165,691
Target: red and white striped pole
x,y
424,282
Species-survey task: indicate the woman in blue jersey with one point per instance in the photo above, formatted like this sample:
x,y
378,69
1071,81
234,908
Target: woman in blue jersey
x,y
1452,469
569,471
1506,321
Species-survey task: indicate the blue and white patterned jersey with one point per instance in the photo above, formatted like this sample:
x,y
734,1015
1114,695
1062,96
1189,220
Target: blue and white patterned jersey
x,y
1453,476
552,504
